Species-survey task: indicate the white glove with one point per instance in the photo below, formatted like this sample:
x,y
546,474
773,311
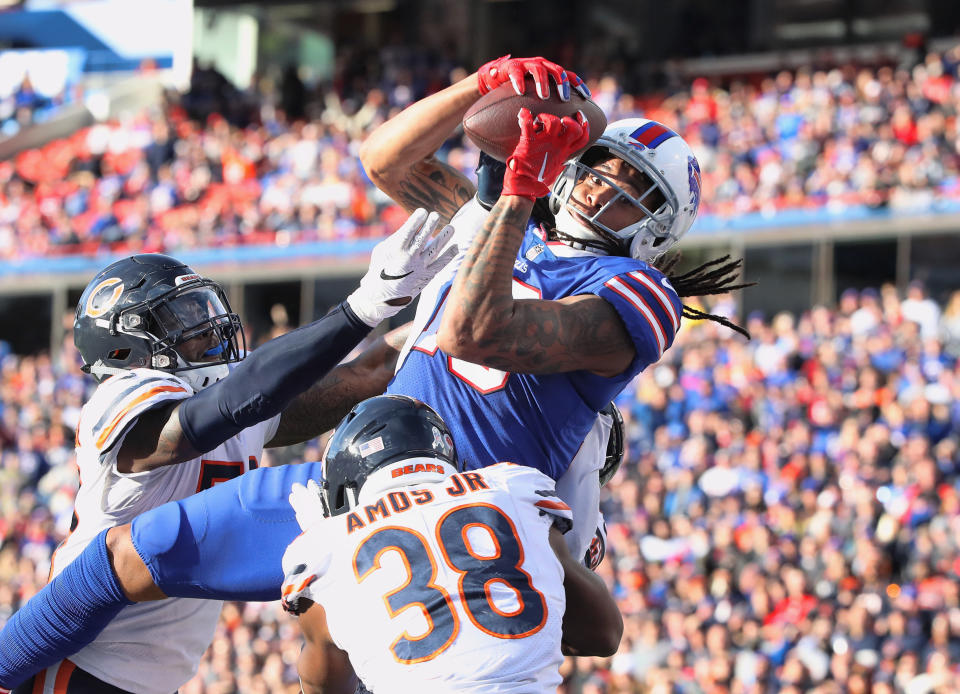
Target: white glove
x,y
308,503
400,266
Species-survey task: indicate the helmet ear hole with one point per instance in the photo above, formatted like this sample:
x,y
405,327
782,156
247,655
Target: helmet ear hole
x,y
119,354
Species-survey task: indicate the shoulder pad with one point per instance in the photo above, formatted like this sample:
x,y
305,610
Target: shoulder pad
x,y
119,400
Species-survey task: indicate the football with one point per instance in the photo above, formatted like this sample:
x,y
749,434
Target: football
x,y
491,123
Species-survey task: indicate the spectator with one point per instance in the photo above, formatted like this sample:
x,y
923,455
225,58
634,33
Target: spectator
x,y
246,168
796,531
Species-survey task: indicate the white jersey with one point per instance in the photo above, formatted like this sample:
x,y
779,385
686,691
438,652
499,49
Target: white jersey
x,y
444,587
579,486
153,647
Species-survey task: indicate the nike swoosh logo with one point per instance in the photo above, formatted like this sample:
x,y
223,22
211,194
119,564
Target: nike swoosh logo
x,y
385,276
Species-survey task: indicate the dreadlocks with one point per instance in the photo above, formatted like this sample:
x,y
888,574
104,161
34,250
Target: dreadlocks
x,y
713,277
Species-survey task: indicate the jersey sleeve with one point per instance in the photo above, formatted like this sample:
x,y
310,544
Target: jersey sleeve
x,y
650,309
305,560
530,486
120,400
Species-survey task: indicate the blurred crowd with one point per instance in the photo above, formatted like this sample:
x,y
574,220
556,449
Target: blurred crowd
x,y
23,106
277,163
787,518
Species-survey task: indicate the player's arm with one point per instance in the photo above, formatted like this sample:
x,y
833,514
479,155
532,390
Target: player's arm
x,y
323,668
269,378
327,402
592,623
259,388
482,322
399,155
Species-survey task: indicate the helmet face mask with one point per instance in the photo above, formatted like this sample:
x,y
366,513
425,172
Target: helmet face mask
x,y
152,311
663,159
657,218
615,444
178,319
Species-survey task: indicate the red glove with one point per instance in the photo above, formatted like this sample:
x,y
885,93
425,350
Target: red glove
x,y
513,70
546,142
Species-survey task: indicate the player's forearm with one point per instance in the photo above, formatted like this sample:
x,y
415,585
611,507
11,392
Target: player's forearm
x,y
592,623
416,132
481,302
312,668
269,378
321,407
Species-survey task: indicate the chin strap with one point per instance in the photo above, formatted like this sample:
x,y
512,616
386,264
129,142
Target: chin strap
x,y
101,371
601,244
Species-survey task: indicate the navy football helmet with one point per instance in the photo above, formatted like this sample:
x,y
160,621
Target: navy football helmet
x,y
152,311
377,433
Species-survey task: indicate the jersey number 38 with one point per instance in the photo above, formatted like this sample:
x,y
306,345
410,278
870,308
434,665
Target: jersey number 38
x,y
477,574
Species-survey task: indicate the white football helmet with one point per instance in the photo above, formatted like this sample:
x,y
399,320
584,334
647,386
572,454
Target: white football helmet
x,y
668,161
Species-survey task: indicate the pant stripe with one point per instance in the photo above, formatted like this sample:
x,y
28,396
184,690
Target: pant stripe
x,y
63,677
38,682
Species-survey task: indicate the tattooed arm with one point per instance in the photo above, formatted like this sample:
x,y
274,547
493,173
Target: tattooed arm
x,y
157,438
482,322
398,156
322,407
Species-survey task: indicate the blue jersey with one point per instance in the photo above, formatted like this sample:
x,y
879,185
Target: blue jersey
x,y
540,420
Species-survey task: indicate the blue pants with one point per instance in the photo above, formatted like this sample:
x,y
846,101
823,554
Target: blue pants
x,y
226,542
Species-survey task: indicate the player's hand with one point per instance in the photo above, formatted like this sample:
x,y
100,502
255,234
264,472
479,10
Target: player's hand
x,y
400,266
308,503
506,69
546,142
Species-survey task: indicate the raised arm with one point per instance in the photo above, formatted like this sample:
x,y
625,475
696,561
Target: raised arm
x,y
266,382
326,403
399,155
483,323
592,623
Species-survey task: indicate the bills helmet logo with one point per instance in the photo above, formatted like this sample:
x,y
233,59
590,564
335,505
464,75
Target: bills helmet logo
x,y
693,169
651,135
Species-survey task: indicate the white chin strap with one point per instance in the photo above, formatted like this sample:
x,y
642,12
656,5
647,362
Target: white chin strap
x,y
569,224
204,376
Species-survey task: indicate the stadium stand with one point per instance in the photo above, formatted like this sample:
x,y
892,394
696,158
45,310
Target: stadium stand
x,y
844,142
788,515
787,518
